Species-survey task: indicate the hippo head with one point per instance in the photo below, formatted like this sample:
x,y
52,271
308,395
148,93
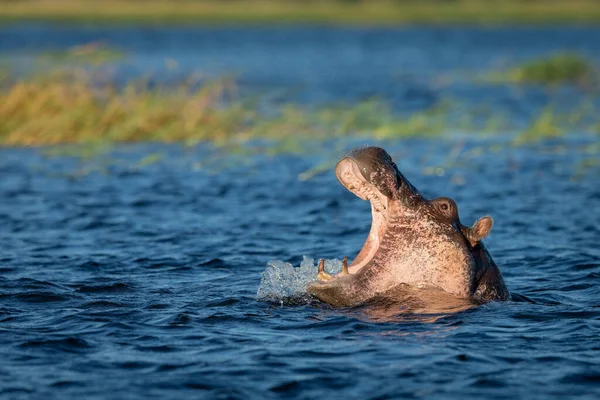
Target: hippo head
x,y
413,241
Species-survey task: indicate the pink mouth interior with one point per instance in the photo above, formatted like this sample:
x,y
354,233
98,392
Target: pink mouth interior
x,y
349,175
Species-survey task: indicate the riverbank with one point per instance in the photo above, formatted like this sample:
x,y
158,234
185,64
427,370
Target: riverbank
x,y
378,12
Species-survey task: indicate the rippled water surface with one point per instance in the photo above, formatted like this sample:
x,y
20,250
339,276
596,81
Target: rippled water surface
x,y
142,282
122,280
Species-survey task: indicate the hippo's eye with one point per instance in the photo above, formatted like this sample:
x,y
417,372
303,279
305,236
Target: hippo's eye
x,y
445,206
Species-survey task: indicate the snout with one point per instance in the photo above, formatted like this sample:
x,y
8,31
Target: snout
x,y
371,164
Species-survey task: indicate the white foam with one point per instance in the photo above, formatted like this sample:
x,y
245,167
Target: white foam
x,y
282,282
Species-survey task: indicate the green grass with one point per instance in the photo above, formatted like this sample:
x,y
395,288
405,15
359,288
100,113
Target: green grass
x,y
560,68
371,12
565,67
74,108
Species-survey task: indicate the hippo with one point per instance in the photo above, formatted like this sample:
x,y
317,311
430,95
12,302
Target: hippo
x,y
414,242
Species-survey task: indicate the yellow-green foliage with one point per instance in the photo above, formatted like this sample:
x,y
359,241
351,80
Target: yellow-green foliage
x,y
560,68
76,107
303,11
73,108
70,109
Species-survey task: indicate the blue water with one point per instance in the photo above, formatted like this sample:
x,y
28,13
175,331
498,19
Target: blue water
x,y
121,280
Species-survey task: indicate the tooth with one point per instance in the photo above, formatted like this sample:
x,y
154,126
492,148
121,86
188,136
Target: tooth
x,y
323,276
345,266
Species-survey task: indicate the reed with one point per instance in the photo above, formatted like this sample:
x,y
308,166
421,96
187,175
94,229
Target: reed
x,y
555,69
75,106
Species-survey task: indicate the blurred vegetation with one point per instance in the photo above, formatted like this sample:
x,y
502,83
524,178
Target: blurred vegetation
x,y
556,69
78,106
304,11
70,100
70,106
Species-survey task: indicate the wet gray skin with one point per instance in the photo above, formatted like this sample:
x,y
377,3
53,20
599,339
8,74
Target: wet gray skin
x,y
414,242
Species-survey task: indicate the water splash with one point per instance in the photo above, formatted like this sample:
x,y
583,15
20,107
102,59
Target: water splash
x,y
281,282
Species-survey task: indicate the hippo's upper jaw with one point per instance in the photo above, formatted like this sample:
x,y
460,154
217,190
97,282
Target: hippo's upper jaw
x,y
413,241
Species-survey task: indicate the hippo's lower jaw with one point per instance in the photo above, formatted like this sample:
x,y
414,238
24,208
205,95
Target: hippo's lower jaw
x,y
412,241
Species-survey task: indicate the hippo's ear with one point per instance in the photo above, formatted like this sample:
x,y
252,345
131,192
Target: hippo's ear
x,y
480,230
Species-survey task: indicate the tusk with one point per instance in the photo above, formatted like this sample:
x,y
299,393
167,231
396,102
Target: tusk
x,y
323,276
345,266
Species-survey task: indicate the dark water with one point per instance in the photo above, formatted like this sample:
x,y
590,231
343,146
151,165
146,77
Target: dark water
x,y
129,281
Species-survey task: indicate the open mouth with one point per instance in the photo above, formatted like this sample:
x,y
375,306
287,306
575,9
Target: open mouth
x,y
349,175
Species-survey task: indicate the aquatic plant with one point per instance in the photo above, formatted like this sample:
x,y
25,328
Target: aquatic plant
x,y
77,106
564,67
72,106
555,69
